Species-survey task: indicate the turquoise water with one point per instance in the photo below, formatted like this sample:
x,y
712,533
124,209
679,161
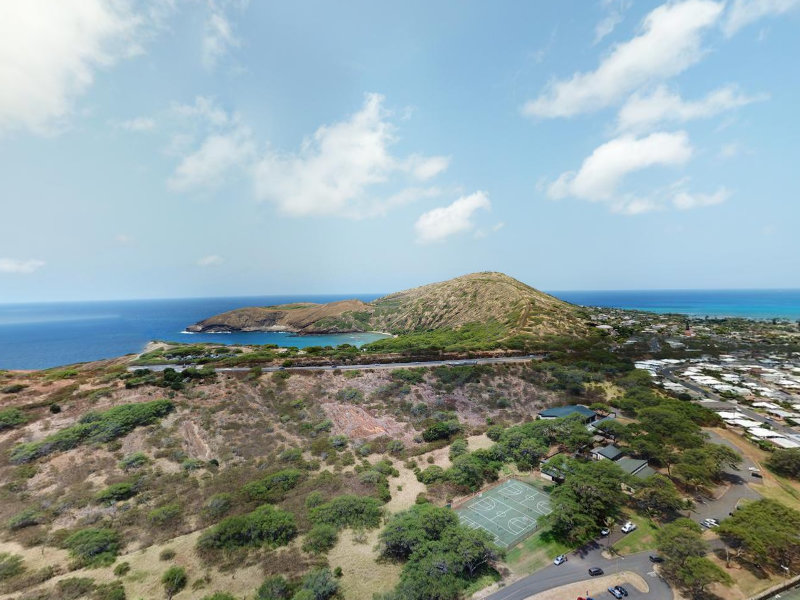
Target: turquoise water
x,y
750,304
35,336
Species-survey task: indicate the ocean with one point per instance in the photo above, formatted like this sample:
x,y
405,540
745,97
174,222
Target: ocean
x,y
37,336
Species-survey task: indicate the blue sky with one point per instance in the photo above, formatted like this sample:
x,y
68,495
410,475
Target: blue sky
x,y
207,148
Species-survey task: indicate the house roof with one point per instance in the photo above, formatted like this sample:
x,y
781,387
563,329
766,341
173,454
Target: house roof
x,y
565,411
610,452
632,465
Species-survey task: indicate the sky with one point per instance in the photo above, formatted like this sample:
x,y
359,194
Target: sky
x,y
179,148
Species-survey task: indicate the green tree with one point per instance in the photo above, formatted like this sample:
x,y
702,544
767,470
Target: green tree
x,y
321,538
321,584
766,532
698,572
174,580
785,462
658,496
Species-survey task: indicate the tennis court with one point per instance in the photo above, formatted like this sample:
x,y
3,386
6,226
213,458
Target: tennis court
x,y
508,511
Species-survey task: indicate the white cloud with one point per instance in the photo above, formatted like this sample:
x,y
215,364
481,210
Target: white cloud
x,y
687,201
219,37
205,110
124,239
440,223
139,124
211,260
12,265
642,112
343,168
601,173
50,51
731,150
743,12
616,10
668,44
209,165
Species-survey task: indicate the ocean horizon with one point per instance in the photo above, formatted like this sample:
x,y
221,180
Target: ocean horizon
x,y
48,334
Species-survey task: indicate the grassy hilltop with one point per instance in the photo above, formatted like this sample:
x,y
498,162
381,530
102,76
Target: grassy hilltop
x,y
480,309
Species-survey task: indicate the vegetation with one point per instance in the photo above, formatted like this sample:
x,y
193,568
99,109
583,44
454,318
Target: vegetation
x,y
272,487
348,511
685,564
265,526
321,538
11,417
785,462
93,547
765,533
11,565
440,557
174,580
94,428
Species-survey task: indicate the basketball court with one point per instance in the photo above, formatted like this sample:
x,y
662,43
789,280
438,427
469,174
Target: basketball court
x,y
508,511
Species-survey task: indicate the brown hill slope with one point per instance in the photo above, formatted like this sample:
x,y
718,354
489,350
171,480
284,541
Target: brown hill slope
x,y
484,298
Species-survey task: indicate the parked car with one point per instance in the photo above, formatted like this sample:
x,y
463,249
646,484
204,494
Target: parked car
x,y
654,558
615,592
710,523
605,531
757,475
595,571
621,590
628,527
559,560
753,469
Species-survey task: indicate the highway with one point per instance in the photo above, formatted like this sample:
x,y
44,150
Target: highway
x,y
356,367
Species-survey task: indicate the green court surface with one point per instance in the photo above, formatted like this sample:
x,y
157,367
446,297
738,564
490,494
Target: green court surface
x,y
508,511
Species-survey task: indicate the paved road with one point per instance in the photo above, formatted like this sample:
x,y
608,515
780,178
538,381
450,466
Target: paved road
x,y
351,367
576,569
738,488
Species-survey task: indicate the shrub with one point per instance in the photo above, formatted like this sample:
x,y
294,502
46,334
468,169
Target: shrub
x,y
122,569
116,493
785,462
10,565
14,388
264,526
72,588
348,511
457,448
412,376
11,417
26,518
218,505
441,431
93,547
272,487
165,515
94,427
320,583
109,591
173,580
192,464
166,554
134,461
321,538
219,596
315,498
273,588
55,408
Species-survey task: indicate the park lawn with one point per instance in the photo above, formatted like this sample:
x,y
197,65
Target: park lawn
x,y
640,539
534,553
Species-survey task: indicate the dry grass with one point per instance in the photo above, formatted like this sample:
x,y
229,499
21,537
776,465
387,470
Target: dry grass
x,y
362,574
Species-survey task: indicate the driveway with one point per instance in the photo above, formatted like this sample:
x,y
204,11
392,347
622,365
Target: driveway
x,y
575,569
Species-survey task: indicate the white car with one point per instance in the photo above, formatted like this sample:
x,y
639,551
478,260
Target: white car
x,y
559,560
628,527
753,469
710,523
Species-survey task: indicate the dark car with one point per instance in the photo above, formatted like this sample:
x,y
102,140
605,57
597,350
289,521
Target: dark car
x,y
615,592
621,590
594,571
757,475
654,558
